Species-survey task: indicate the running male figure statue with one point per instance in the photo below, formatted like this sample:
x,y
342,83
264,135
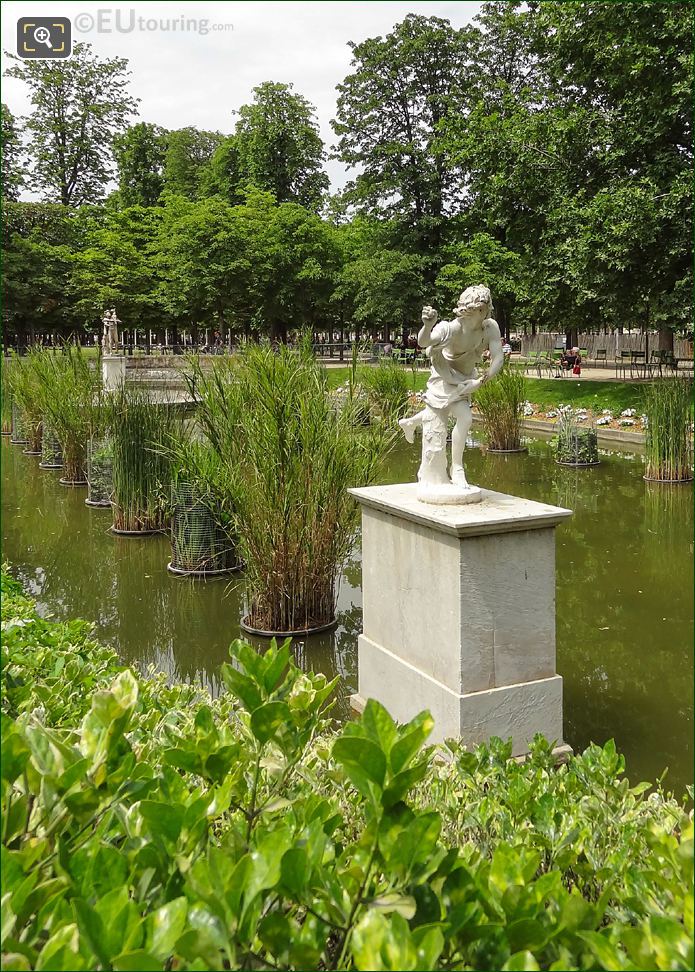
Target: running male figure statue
x,y
454,349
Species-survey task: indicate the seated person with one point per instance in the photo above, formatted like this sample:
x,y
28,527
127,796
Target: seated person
x,y
571,361
506,349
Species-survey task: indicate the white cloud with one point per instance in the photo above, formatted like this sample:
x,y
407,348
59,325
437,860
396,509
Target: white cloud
x,y
196,78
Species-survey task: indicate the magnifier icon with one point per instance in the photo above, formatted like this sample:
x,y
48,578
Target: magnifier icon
x,y
42,35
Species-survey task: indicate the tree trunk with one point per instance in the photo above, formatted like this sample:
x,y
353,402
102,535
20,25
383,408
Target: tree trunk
x,y
665,338
572,337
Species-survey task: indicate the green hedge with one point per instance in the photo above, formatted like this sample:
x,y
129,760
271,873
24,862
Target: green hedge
x,y
146,826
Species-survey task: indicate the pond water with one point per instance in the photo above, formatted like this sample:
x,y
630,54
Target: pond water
x,y
624,593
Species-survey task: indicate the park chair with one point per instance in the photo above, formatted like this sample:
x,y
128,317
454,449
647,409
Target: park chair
x,y
584,355
601,357
531,360
638,360
656,361
555,369
622,362
671,361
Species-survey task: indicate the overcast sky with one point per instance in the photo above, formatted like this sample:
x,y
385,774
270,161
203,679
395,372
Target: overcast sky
x,y
195,78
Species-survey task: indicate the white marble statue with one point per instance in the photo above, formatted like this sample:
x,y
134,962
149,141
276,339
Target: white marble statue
x,y
454,348
109,341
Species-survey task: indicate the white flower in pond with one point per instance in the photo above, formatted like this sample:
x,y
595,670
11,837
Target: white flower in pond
x,y
644,420
528,408
607,411
628,413
551,414
604,420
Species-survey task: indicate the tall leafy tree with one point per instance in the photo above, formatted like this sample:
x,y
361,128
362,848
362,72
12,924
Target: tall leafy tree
x,y
39,242
79,106
279,148
577,154
379,286
219,176
201,260
188,152
390,110
11,155
140,153
115,266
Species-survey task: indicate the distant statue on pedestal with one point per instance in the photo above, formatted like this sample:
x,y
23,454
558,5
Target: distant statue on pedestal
x,y
455,348
109,341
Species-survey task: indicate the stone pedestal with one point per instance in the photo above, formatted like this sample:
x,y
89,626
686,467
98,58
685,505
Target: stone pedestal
x,y
459,614
112,371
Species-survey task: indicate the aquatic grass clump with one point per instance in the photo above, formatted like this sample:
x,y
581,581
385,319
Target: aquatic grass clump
x,y
73,403
387,387
291,458
501,401
668,405
139,432
203,524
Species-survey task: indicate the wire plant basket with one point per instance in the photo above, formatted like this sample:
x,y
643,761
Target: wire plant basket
x,y
19,428
51,449
575,446
6,422
99,473
200,545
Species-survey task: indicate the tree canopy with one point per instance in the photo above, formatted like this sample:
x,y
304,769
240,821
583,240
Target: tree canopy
x,y
545,149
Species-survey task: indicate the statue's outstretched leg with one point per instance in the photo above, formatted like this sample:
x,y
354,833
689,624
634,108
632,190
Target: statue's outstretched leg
x,y
464,420
411,425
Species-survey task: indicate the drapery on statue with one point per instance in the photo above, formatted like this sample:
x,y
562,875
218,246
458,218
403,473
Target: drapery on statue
x,y
454,348
109,341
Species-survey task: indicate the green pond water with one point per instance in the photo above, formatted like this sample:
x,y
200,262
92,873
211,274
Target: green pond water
x,y
624,593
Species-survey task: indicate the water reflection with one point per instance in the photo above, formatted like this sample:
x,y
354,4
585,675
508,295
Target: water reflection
x,y
624,593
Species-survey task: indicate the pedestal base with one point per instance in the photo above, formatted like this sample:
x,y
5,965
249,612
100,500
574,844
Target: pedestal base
x,y
459,614
518,711
112,372
448,494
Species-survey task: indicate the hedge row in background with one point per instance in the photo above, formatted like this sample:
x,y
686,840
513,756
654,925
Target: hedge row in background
x,y
146,826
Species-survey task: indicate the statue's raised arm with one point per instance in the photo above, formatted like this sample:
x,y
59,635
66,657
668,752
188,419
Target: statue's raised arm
x,y
429,319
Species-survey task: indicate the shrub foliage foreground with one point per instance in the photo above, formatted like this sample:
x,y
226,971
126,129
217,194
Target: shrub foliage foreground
x,y
148,827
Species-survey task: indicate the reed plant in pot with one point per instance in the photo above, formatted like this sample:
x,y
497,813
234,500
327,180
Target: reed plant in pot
x,y
292,457
387,388
73,404
501,405
7,364
203,524
668,405
19,432
51,449
99,472
575,446
140,431
28,389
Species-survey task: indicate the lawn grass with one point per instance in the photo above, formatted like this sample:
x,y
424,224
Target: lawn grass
x,y
549,392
